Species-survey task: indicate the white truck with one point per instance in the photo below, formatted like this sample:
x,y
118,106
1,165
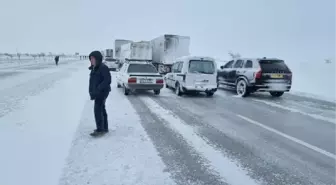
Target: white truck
x,y
141,51
166,49
117,46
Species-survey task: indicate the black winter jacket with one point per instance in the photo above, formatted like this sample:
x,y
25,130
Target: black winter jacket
x,y
100,81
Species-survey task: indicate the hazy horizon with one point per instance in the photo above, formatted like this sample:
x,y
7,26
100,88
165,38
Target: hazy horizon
x,y
293,30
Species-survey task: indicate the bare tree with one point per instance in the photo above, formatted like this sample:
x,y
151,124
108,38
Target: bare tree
x,y
328,61
234,55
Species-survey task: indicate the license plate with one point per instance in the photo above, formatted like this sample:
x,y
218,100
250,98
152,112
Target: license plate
x,y
276,76
277,87
145,81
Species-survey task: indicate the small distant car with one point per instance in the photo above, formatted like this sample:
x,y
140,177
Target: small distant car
x,y
248,75
193,74
139,75
111,63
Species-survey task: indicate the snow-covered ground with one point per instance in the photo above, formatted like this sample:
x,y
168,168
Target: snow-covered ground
x,y
314,80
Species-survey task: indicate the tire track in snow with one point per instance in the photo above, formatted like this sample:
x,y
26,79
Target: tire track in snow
x,y
253,148
182,161
214,159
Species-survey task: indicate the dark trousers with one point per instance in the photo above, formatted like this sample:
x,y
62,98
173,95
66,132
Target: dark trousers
x,y
100,114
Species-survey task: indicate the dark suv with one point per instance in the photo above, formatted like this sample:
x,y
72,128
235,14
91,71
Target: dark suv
x,y
261,74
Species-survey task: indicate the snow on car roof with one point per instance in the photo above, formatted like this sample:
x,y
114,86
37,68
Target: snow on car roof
x,y
185,58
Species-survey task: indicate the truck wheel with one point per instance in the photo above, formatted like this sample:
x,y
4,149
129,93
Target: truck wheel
x,y
178,89
157,92
242,89
276,94
126,91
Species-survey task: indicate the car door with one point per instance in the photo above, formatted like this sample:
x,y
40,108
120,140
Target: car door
x,y
234,71
247,70
224,72
178,72
170,76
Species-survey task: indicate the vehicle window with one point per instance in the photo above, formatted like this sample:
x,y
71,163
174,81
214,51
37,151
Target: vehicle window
x,y
141,68
273,65
229,64
179,67
238,64
248,64
201,66
174,68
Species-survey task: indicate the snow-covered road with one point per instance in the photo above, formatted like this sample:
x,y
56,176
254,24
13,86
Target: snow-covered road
x,y
46,118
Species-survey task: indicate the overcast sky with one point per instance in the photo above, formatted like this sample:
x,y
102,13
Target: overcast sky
x,y
291,29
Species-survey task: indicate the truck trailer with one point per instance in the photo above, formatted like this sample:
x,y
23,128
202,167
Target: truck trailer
x,y
141,51
166,49
117,47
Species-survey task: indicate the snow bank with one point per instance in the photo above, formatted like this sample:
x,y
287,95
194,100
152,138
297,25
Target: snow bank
x,y
37,138
125,156
314,80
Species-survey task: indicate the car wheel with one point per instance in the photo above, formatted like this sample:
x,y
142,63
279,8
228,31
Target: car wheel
x,y
178,89
167,86
118,85
126,91
209,94
276,94
242,89
157,92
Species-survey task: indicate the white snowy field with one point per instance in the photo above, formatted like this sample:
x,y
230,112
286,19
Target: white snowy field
x,y
15,62
314,80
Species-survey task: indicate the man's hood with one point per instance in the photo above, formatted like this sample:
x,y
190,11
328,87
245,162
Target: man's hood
x,y
97,55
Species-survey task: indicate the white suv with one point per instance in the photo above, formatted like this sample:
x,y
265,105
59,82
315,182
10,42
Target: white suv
x,y
139,75
193,74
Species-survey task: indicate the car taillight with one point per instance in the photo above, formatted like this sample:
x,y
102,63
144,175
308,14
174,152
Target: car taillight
x,y
290,76
159,81
258,74
132,80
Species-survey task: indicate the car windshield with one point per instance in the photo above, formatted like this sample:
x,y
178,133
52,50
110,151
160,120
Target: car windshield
x,y
141,68
201,66
273,65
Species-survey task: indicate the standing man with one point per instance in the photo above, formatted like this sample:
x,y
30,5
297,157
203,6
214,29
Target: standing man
x,y
56,60
99,89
